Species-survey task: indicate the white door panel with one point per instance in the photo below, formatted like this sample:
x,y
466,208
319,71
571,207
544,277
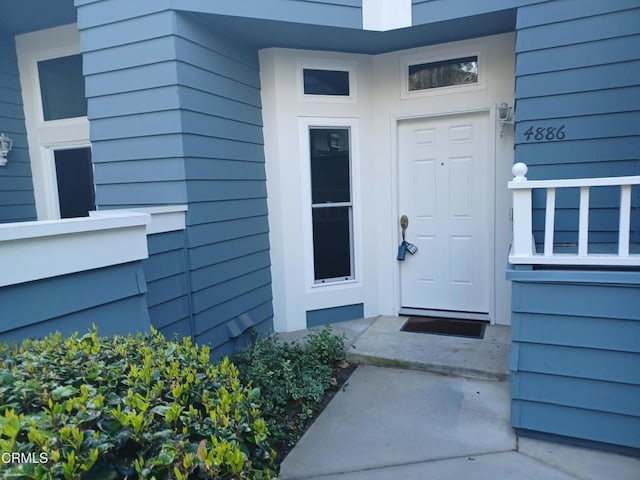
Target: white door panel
x,y
444,178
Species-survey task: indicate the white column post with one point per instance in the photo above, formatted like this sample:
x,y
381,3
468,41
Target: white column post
x,y
522,223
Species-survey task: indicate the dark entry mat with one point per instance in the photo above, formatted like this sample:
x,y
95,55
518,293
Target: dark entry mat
x,y
445,326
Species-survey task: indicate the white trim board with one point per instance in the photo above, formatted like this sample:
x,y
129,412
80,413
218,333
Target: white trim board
x,y
36,250
166,218
383,15
44,136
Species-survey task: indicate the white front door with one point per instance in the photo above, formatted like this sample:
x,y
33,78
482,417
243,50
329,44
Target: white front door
x,y
444,176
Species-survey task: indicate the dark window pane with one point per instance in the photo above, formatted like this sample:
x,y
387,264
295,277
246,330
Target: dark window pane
x,y
332,243
330,180
458,71
75,182
326,82
62,88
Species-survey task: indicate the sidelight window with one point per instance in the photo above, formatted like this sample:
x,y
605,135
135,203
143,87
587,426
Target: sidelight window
x,y
331,203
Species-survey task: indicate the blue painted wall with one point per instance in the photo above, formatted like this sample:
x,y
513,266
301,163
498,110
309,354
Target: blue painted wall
x,y
578,65
334,314
176,118
227,234
168,295
575,359
16,188
113,298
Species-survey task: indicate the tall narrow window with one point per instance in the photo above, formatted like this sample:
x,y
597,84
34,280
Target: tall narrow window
x,y
331,204
74,173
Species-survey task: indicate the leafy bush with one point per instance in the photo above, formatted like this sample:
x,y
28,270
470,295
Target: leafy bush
x,y
136,407
293,378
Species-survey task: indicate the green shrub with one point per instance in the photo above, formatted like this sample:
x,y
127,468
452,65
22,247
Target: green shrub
x,y
293,378
136,407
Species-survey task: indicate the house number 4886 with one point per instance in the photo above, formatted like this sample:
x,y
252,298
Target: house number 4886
x,y
544,133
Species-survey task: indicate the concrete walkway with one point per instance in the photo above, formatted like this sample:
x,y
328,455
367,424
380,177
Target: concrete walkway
x,y
394,423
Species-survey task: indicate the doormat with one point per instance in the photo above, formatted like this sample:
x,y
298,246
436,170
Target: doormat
x,y
445,326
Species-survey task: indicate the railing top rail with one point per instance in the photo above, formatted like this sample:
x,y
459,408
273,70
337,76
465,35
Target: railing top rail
x,y
575,182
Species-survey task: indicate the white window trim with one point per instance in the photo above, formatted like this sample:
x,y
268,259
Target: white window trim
x,y
326,64
45,136
304,124
438,55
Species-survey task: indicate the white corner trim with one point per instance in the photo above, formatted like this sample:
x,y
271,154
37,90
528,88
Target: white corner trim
x,y
36,250
383,15
168,218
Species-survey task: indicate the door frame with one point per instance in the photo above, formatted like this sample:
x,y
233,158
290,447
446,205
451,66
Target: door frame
x,y
395,121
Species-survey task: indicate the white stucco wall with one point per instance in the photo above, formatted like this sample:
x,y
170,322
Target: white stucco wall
x,y
376,105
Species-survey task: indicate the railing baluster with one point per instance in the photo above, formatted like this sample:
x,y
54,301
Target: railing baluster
x,y
625,214
549,222
523,249
583,225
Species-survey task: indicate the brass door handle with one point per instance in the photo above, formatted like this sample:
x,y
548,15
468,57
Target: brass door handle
x,y
404,223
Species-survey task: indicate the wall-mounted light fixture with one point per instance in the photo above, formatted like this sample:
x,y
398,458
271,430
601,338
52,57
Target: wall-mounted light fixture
x,y
505,116
5,147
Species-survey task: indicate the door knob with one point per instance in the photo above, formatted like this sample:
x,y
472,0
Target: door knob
x,y
404,223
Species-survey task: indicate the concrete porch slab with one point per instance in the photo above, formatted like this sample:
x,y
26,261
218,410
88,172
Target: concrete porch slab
x,y
383,344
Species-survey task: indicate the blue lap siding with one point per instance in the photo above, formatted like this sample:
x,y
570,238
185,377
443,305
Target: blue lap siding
x,y
227,233
575,356
112,298
578,66
176,118
16,188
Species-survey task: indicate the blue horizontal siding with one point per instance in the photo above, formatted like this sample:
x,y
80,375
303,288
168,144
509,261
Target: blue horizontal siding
x,y
604,26
557,12
598,77
212,296
205,212
201,146
580,104
428,11
17,202
227,233
176,118
220,273
73,302
601,52
576,354
219,251
168,293
221,314
578,66
576,392
596,426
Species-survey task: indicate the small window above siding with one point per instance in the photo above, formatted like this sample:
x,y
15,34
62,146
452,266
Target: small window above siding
x,y
444,73
326,82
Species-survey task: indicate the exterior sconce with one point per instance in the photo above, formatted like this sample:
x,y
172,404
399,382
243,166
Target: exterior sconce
x,y
5,147
505,116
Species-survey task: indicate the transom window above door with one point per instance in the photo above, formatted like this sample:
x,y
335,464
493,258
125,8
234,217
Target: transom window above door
x,y
444,73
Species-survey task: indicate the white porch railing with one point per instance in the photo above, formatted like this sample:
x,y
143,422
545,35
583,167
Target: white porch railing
x,y
523,250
